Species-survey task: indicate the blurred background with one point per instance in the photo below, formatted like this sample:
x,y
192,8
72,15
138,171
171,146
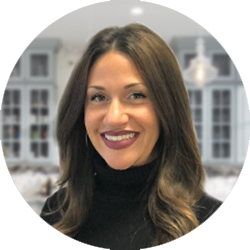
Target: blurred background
x,y
28,112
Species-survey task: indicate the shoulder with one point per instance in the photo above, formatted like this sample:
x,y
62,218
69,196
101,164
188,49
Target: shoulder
x,y
48,212
206,206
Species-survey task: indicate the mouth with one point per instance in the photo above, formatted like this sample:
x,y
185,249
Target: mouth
x,y
119,140
119,137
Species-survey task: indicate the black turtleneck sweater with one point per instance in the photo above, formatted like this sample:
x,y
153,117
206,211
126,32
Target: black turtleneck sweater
x,y
119,219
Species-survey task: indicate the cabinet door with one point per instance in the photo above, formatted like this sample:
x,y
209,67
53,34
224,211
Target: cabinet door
x,y
39,120
243,125
185,58
18,71
221,126
223,63
12,120
39,65
196,106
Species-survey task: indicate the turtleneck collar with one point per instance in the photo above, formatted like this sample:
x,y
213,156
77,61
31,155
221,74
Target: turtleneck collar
x,y
129,182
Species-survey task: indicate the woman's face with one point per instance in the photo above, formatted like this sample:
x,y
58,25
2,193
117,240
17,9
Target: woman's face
x,y
119,115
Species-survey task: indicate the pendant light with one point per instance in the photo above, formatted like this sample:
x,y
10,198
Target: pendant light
x,y
200,70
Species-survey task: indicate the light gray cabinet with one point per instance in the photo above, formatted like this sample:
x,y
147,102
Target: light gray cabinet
x,y
242,124
28,108
12,123
220,124
196,106
220,109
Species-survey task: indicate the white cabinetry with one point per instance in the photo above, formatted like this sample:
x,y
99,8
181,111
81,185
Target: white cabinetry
x,y
220,109
28,108
243,124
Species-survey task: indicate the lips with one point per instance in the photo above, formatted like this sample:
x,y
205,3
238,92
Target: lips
x,y
119,139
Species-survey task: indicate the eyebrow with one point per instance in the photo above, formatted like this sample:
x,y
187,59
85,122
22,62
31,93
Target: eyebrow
x,y
131,85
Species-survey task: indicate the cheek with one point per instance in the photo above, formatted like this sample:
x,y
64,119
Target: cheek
x,y
92,119
150,120
89,119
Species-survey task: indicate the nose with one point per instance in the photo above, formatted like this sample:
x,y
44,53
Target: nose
x,y
116,115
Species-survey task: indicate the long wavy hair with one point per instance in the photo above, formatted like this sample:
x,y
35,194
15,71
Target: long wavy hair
x,y
179,178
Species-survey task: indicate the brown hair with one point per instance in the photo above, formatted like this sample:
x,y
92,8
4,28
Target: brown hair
x,y
179,178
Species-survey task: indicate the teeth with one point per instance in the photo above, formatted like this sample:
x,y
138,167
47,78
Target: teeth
x,y
119,137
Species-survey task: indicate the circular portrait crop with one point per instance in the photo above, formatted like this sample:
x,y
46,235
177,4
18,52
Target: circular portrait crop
x,y
124,131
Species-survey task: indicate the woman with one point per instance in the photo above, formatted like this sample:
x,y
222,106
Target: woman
x,y
132,175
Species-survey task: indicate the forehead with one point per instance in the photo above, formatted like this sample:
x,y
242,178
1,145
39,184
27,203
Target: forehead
x,y
114,65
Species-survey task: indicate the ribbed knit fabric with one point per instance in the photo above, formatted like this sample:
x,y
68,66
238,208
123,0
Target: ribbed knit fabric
x,y
119,219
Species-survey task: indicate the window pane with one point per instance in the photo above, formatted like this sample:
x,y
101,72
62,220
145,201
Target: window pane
x,y
216,115
6,115
198,115
226,132
16,149
6,97
16,132
44,97
44,132
39,65
34,132
216,97
226,98
16,72
34,97
16,115
6,150
44,149
34,115
216,132
226,115
222,63
216,150
187,59
198,97
16,97
34,150
225,150
44,118
7,132
190,94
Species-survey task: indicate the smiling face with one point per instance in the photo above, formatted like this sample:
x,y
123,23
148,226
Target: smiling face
x,y
119,115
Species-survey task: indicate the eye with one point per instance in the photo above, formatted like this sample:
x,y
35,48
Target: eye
x,y
136,96
98,98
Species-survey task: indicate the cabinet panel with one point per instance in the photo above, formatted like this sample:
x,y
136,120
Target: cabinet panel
x,y
243,125
221,127
39,110
223,63
39,65
34,65
185,58
26,124
196,106
12,123
18,71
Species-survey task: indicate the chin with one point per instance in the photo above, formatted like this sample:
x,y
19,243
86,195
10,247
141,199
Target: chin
x,y
118,164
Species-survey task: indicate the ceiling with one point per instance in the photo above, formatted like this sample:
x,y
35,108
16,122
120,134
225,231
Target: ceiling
x,y
78,26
